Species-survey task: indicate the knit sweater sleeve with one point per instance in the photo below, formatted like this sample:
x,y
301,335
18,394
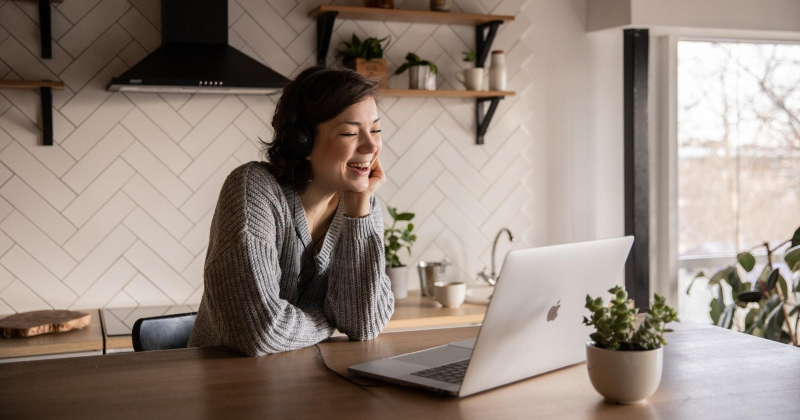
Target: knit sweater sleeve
x,y
360,301
242,283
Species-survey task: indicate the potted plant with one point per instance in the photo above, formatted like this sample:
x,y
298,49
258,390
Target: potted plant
x,y
766,307
624,362
422,73
366,57
471,78
394,239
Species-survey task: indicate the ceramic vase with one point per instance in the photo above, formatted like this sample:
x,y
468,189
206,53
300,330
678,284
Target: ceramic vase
x,y
497,73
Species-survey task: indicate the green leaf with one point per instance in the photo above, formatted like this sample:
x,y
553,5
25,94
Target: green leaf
x,y
784,287
402,68
734,281
792,258
764,273
796,238
726,319
405,216
749,318
700,274
393,212
747,260
774,324
410,227
715,311
719,275
772,280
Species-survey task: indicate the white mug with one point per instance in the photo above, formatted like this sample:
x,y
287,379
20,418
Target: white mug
x,y
472,78
451,295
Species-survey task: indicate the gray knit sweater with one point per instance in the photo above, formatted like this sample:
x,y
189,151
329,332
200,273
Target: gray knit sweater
x,y
267,290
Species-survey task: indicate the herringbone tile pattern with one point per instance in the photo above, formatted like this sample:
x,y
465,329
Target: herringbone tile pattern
x,y
117,212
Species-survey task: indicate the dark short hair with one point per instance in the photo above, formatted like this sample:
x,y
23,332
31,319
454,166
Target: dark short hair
x,y
327,97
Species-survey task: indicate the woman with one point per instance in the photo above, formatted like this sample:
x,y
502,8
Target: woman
x,y
296,244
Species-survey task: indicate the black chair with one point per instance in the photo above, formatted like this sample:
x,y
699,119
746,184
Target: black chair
x,y
163,332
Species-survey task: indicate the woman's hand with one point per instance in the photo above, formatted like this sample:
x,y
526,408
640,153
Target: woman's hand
x,y
356,204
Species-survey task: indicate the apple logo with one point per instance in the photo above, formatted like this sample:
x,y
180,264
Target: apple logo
x,y
553,312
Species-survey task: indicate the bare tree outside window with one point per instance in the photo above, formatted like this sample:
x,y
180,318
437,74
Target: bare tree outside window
x,y
738,148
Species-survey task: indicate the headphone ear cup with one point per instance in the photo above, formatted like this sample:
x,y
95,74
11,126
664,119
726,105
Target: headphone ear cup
x,y
305,140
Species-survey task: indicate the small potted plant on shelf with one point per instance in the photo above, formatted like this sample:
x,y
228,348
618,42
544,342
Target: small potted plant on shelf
x,y
471,78
366,57
422,73
624,362
394,239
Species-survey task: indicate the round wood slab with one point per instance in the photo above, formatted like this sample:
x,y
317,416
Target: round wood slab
x,y
27,324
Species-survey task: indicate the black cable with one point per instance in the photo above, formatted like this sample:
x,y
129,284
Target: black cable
x,y
319,350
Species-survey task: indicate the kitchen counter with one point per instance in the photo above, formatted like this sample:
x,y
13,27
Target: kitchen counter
x,y
83,342
112,333
413,313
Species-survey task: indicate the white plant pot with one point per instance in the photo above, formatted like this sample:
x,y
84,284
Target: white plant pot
x,y
399,279
418,77
624,377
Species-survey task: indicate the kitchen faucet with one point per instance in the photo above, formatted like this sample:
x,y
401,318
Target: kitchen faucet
x,y
491,278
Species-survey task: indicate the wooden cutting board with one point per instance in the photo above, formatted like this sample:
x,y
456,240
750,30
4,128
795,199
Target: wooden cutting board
x,y
27,324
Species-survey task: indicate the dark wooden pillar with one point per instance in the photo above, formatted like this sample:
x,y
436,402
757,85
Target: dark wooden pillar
x,y
637,187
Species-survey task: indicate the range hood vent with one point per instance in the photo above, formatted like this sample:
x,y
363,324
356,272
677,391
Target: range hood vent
x,y
195,57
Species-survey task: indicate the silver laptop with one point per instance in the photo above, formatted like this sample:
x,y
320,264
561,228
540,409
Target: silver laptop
x,y
533,324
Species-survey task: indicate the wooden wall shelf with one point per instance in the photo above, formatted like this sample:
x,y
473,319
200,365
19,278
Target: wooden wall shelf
x,y
417,93
46,90
485,30
412,16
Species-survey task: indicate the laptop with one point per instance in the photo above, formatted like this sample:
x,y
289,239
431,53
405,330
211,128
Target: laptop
x,y
533,324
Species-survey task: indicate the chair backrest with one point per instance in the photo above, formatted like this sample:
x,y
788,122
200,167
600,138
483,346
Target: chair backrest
x,y
163,332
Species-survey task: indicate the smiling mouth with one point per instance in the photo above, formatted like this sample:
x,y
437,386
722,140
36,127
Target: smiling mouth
x,y
361,168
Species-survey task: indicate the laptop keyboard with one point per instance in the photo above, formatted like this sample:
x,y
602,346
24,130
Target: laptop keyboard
x,y
451,372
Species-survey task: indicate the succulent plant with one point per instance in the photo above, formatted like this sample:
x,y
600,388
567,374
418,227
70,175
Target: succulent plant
x,y
469,56
614,324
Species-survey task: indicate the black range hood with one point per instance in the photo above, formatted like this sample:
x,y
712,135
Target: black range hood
x,y
195,57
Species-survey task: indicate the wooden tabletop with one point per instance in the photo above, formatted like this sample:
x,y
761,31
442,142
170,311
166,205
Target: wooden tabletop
x,y
89,338
709,373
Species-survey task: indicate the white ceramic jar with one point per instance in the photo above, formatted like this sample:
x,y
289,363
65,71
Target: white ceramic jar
x,y
497,72
625,377
399,279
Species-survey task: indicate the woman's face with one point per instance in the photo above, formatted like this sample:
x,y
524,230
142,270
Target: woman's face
x,y
346,147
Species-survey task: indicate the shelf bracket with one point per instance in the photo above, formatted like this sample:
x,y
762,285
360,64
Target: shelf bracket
x,y
483,40
325,23
47,115
44,28
484,120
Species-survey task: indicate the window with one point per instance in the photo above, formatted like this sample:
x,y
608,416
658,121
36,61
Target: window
x,y
738,155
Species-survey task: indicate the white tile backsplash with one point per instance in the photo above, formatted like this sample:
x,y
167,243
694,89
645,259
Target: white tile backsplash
x,y
118,212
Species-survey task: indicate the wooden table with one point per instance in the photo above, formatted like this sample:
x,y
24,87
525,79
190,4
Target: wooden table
x,y
709,373
83,342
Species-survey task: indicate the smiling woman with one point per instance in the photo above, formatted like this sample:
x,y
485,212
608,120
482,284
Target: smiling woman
x,y
296,244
